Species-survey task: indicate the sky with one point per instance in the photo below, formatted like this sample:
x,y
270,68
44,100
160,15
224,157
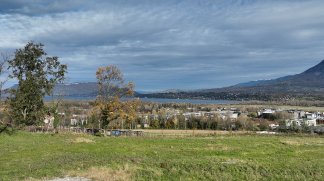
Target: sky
x,y
171,44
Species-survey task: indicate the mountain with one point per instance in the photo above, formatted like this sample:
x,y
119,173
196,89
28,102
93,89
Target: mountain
x,y
311,79
73,90
77,89
309,83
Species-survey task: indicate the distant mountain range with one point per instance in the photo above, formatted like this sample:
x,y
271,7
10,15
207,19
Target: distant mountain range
x,y
312,78
86,89
308,84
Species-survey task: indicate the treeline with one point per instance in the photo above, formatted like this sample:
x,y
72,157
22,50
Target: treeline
x,y
201,123
207,95
240,96
243,123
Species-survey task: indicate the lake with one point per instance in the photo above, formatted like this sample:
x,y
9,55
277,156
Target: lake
x,y
157,100
191,101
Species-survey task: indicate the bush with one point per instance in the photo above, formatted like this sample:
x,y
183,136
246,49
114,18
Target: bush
x,y
319,130
264,126
6,129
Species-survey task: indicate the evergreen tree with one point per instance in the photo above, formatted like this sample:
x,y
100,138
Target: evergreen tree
x,y
37,75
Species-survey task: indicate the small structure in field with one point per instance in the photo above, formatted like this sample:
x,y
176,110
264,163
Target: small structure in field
x,y
49,122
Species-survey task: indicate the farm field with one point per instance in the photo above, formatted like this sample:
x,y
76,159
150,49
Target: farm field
x,y
39,156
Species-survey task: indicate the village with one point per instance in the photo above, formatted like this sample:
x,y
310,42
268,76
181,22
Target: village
x,y
200,117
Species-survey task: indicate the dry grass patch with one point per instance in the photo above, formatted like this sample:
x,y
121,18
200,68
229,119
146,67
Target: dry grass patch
x,y
59,179
217,147
82,140
291,142
299,142
233,161
105,173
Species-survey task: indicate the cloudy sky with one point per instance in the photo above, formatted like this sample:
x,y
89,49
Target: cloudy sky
x,y
164,44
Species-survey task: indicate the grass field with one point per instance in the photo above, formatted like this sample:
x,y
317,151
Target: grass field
x,y
38,156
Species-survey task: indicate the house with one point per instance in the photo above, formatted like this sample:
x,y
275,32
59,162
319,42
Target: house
x,y
298,114
300,122
78,120
268,111
49,122
233,115
293,122
74,122
273,126
228,114
310,122
145,125
320,121
310,115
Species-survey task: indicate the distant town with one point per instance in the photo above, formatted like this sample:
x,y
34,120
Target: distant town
x,y
202,117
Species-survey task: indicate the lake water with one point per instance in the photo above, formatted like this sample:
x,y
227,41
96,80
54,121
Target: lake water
x,y
158,100
191,101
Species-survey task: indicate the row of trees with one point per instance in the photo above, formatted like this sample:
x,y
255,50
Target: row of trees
x,y
206,123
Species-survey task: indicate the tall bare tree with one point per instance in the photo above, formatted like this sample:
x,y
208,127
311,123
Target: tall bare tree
x,y
4,58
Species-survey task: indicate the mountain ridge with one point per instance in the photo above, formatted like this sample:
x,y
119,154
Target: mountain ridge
x,y
308,83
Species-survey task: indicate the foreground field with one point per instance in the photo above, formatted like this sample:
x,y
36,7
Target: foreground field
x,y
32,156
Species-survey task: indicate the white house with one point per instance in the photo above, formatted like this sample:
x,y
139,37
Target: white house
x,y
310,122
310,115
268,111
233,116
49,121
300,122
291,122
78,119
74,121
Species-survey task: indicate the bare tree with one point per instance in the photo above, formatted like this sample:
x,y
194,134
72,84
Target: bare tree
x,y
4,58
112,87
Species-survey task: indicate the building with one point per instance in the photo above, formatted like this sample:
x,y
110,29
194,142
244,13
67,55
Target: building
x,y
78,120
301,122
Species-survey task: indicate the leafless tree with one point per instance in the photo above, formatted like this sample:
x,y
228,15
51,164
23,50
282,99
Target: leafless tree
x,y
4,58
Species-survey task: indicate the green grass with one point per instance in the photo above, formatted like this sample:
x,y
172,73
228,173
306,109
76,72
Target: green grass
x,y
227,157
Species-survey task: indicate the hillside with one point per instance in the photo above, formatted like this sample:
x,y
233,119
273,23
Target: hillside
x,y
312,78
77,89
